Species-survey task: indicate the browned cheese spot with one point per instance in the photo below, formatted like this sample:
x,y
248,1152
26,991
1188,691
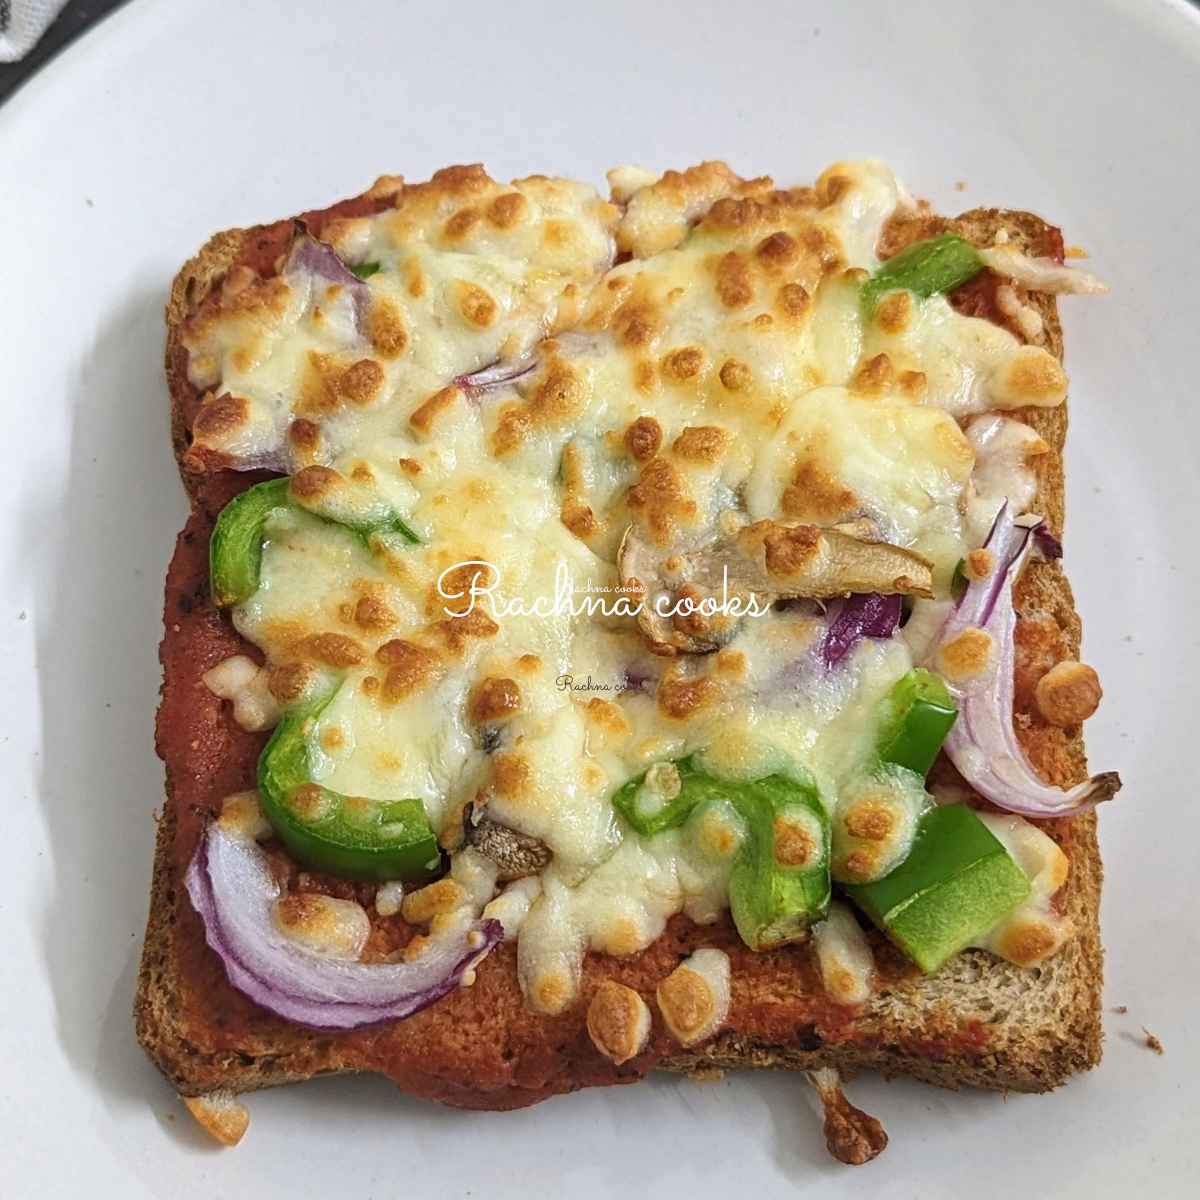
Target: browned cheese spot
x,y
643,437
388,335
814,494
793,301
414,279
305,437
778,251
731,663
494,699
661,499
333,649
788,550
689,619
475,305
735,285
455,631
607,716
967,654
874,377
683,364
312,483
736,376
511,775
871,822
506,209
220,416
859,864
637,322
361,382
644,377
409,666
832,188
686,1002
794,842
895,312
1027,942
455,593
328,385
461,223
288,681
981,562
615,1020
1039,377
702,444
681,699
1068,693
373,614
435,899
427,412
579,519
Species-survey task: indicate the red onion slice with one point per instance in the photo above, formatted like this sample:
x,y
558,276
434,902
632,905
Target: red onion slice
x,y
861,615
983,743
1047,543
320,260
233,890
496,375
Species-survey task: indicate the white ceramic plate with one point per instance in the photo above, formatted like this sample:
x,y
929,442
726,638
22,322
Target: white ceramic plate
x,y
171,121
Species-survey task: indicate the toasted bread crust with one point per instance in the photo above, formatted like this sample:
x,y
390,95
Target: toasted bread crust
x,y
979,1021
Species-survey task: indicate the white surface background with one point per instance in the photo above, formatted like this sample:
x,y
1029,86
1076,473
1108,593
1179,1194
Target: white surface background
x,y
170,122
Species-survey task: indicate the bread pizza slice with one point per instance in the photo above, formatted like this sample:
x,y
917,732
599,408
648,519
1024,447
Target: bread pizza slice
x,y
618,634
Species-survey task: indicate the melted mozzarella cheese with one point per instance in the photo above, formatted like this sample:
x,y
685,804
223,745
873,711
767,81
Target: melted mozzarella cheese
x,y
469,271
838,455
969,364
716,379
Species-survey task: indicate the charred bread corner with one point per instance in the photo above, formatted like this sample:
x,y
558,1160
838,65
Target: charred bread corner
x,y
623,633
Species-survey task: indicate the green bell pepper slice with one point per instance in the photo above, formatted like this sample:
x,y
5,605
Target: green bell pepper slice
x,y
779,883
918,713
650,813
349,836
957,882
235,548
365,270
937,264
959,581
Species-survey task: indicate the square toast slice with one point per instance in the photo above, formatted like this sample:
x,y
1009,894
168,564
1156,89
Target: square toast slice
x,y
979,1021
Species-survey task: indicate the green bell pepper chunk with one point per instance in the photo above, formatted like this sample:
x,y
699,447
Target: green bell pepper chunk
x,y
937,264
779,881
365,270
959,581
349,836
957,882
235,549
779,884
650,813
918,713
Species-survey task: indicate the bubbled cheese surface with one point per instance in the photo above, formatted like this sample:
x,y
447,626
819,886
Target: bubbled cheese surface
x,y
724,367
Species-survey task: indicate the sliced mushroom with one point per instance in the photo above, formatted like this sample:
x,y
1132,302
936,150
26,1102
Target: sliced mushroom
x,y
851,1135
516,854
755,566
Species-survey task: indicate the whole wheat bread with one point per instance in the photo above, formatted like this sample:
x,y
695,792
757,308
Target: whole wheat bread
x,y
979,1021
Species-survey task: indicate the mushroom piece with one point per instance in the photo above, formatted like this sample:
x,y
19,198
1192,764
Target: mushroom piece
x,y
691,602
852,1136
516,854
